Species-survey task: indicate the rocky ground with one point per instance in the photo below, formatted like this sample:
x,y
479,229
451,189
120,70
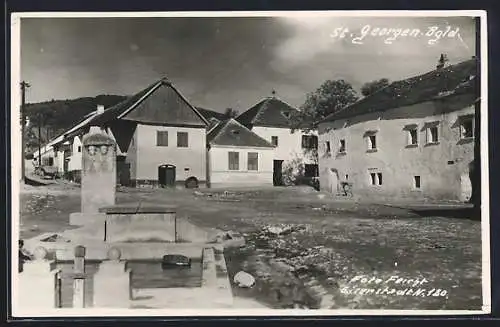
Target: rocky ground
x,y
308,250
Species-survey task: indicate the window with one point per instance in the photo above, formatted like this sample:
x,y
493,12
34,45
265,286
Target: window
x,y
161,138
371,140
346,177
274,140
342,146
416,182
375,178
309,142
466,127
412,135
182,139
234,160
328,148
432,134
253,161
311,170
79,148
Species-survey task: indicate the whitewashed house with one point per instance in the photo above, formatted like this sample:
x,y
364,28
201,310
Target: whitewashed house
x,y
238,157
414,139
270,119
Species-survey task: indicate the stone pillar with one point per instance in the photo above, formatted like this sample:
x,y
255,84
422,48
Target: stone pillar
x,y
112,288
38,283
98,171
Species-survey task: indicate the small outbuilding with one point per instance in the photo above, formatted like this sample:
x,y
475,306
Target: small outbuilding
x,y
237,157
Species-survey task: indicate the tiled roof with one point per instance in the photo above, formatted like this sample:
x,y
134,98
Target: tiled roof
x,y
159,103
232,133
454,79
270,112
207,113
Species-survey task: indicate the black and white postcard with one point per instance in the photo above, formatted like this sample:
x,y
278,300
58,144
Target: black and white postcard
x,y
249,163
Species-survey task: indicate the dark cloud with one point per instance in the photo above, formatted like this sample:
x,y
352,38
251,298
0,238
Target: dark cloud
x,y
216,62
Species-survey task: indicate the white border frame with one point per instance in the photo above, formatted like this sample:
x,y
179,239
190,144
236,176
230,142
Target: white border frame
x,y
93,312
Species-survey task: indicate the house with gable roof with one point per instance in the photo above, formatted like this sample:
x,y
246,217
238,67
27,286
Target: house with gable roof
x,y
161,136
270,119
238,157
412,139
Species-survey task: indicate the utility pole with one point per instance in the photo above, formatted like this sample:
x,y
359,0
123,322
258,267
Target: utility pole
x,y
39,139
24,86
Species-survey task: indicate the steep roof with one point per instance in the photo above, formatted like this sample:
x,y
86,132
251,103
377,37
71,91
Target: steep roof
x,y
232,133
159,103
269,112
454,79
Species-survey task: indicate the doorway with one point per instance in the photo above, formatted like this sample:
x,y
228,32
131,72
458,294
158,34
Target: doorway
x,y
278,172
334,181
465,187
166,176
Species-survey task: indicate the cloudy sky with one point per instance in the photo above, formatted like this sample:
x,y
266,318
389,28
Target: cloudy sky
x,y
221,62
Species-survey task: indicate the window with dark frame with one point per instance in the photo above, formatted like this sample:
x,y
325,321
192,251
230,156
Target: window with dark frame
x,y
413,136
309,142
376,178
416,182
432,134
253,161
182,139
466,127
161,138
342,148
328,148
372,142
274,140
234,160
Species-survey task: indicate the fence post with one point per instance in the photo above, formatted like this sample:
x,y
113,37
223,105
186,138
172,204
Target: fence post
x,y
79,278
38,282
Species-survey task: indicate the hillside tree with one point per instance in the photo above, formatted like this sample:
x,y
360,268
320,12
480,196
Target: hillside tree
x,y
230,113
330,97
373,86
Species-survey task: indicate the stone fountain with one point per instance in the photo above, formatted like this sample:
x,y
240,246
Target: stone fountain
x,y
130,232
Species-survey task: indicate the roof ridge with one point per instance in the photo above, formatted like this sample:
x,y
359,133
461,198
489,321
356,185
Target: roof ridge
x,y
153,87
188,103
224,124
262,105
425,76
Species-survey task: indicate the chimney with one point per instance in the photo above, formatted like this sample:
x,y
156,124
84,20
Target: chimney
x,y
442,61
100,109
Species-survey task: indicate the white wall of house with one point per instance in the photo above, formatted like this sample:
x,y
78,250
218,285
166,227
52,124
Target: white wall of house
x,y
289,144
221,176
75,160
442,167
145,156
59,161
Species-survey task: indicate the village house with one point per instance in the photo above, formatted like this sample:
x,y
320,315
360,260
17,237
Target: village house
x,y
412,139
270,119
161,138
238,157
